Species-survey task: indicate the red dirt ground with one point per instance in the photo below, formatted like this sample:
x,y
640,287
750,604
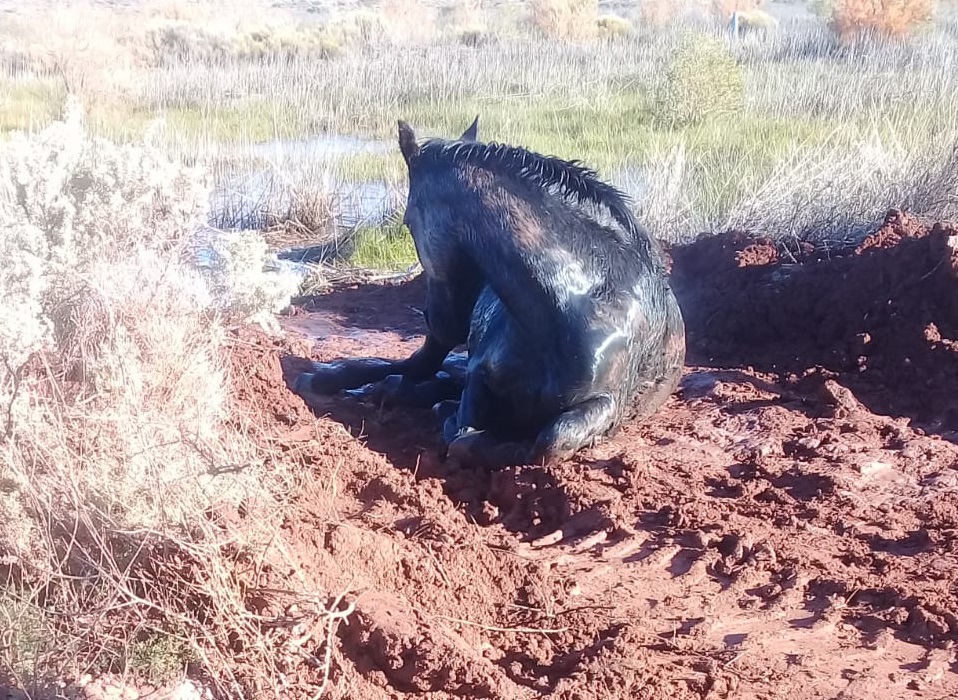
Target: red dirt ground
x,y
785,527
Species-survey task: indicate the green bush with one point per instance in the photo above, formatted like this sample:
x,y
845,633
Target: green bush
x,y
702,80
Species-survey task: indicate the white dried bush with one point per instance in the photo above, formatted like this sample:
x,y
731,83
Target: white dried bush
x,y
124,409
24,329
23,326
246,280
93,198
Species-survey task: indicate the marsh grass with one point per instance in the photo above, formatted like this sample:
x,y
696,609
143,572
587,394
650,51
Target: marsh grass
x,y
799,94
597,104
387,248
28,103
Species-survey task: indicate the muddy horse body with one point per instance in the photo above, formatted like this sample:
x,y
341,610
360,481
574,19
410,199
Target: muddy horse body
x,y
569,321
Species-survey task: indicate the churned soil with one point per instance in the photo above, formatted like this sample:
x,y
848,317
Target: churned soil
x,y
786,526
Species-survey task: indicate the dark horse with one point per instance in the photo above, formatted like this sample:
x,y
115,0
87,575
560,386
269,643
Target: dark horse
x,y
569,320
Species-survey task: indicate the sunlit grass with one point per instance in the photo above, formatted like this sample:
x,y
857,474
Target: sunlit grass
x,y
388,248
27,104
589,101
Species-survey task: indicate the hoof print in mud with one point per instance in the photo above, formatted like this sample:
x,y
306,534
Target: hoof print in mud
x,y
512,223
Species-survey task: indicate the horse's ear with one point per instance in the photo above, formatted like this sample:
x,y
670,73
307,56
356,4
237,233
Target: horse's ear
x,y
407,142
472,133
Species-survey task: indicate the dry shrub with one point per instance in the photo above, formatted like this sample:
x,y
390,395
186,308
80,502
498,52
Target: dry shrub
x,y
103,286
565,19
465,20
613,26
892,18
356,27
756,21
408,21
188,43
216,15
88,49
658,12
309,217
183,42
119,434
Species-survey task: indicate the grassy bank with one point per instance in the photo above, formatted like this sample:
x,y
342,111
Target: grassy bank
x,y
760,121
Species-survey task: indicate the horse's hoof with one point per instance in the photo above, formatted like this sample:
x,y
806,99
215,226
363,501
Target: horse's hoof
x,y
449,429
444,409
385,392
321,379
391,387
463,447
367,392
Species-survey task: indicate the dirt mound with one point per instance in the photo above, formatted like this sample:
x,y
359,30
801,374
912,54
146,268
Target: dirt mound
x,y
881,316
776,530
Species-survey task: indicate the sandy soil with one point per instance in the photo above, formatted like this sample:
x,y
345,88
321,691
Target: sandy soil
x,y
785,527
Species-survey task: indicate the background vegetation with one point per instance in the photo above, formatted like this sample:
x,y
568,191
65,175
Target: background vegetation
x,y
705,129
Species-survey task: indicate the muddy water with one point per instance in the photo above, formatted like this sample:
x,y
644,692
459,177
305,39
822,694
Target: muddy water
x,y
242,192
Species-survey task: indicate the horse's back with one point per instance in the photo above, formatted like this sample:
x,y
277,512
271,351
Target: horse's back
x,y
623,337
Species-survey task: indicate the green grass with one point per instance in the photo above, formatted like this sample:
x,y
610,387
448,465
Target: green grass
x,y
28,104
364,167
591,102
253,121
388,248
159,658
607,135
188,128
26,634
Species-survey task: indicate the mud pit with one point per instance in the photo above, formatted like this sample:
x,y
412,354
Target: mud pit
x,y
785,527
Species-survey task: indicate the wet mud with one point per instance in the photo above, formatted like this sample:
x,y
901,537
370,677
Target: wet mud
x,y
786,526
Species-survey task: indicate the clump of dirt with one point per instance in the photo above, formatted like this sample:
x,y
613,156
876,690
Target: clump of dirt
x,y
882,315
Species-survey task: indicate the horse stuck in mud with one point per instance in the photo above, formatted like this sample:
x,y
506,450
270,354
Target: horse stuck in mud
x,y
569,321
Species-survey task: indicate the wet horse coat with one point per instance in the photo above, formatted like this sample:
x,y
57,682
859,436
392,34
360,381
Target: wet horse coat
x,y
570,324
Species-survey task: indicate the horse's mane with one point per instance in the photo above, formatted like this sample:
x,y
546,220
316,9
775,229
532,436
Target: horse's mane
x,y
567,177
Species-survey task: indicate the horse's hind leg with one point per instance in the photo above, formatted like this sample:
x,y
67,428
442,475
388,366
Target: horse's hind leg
x,y
468,414
573,429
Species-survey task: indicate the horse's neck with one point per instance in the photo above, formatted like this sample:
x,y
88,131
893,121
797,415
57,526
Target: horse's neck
x,y
526,284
